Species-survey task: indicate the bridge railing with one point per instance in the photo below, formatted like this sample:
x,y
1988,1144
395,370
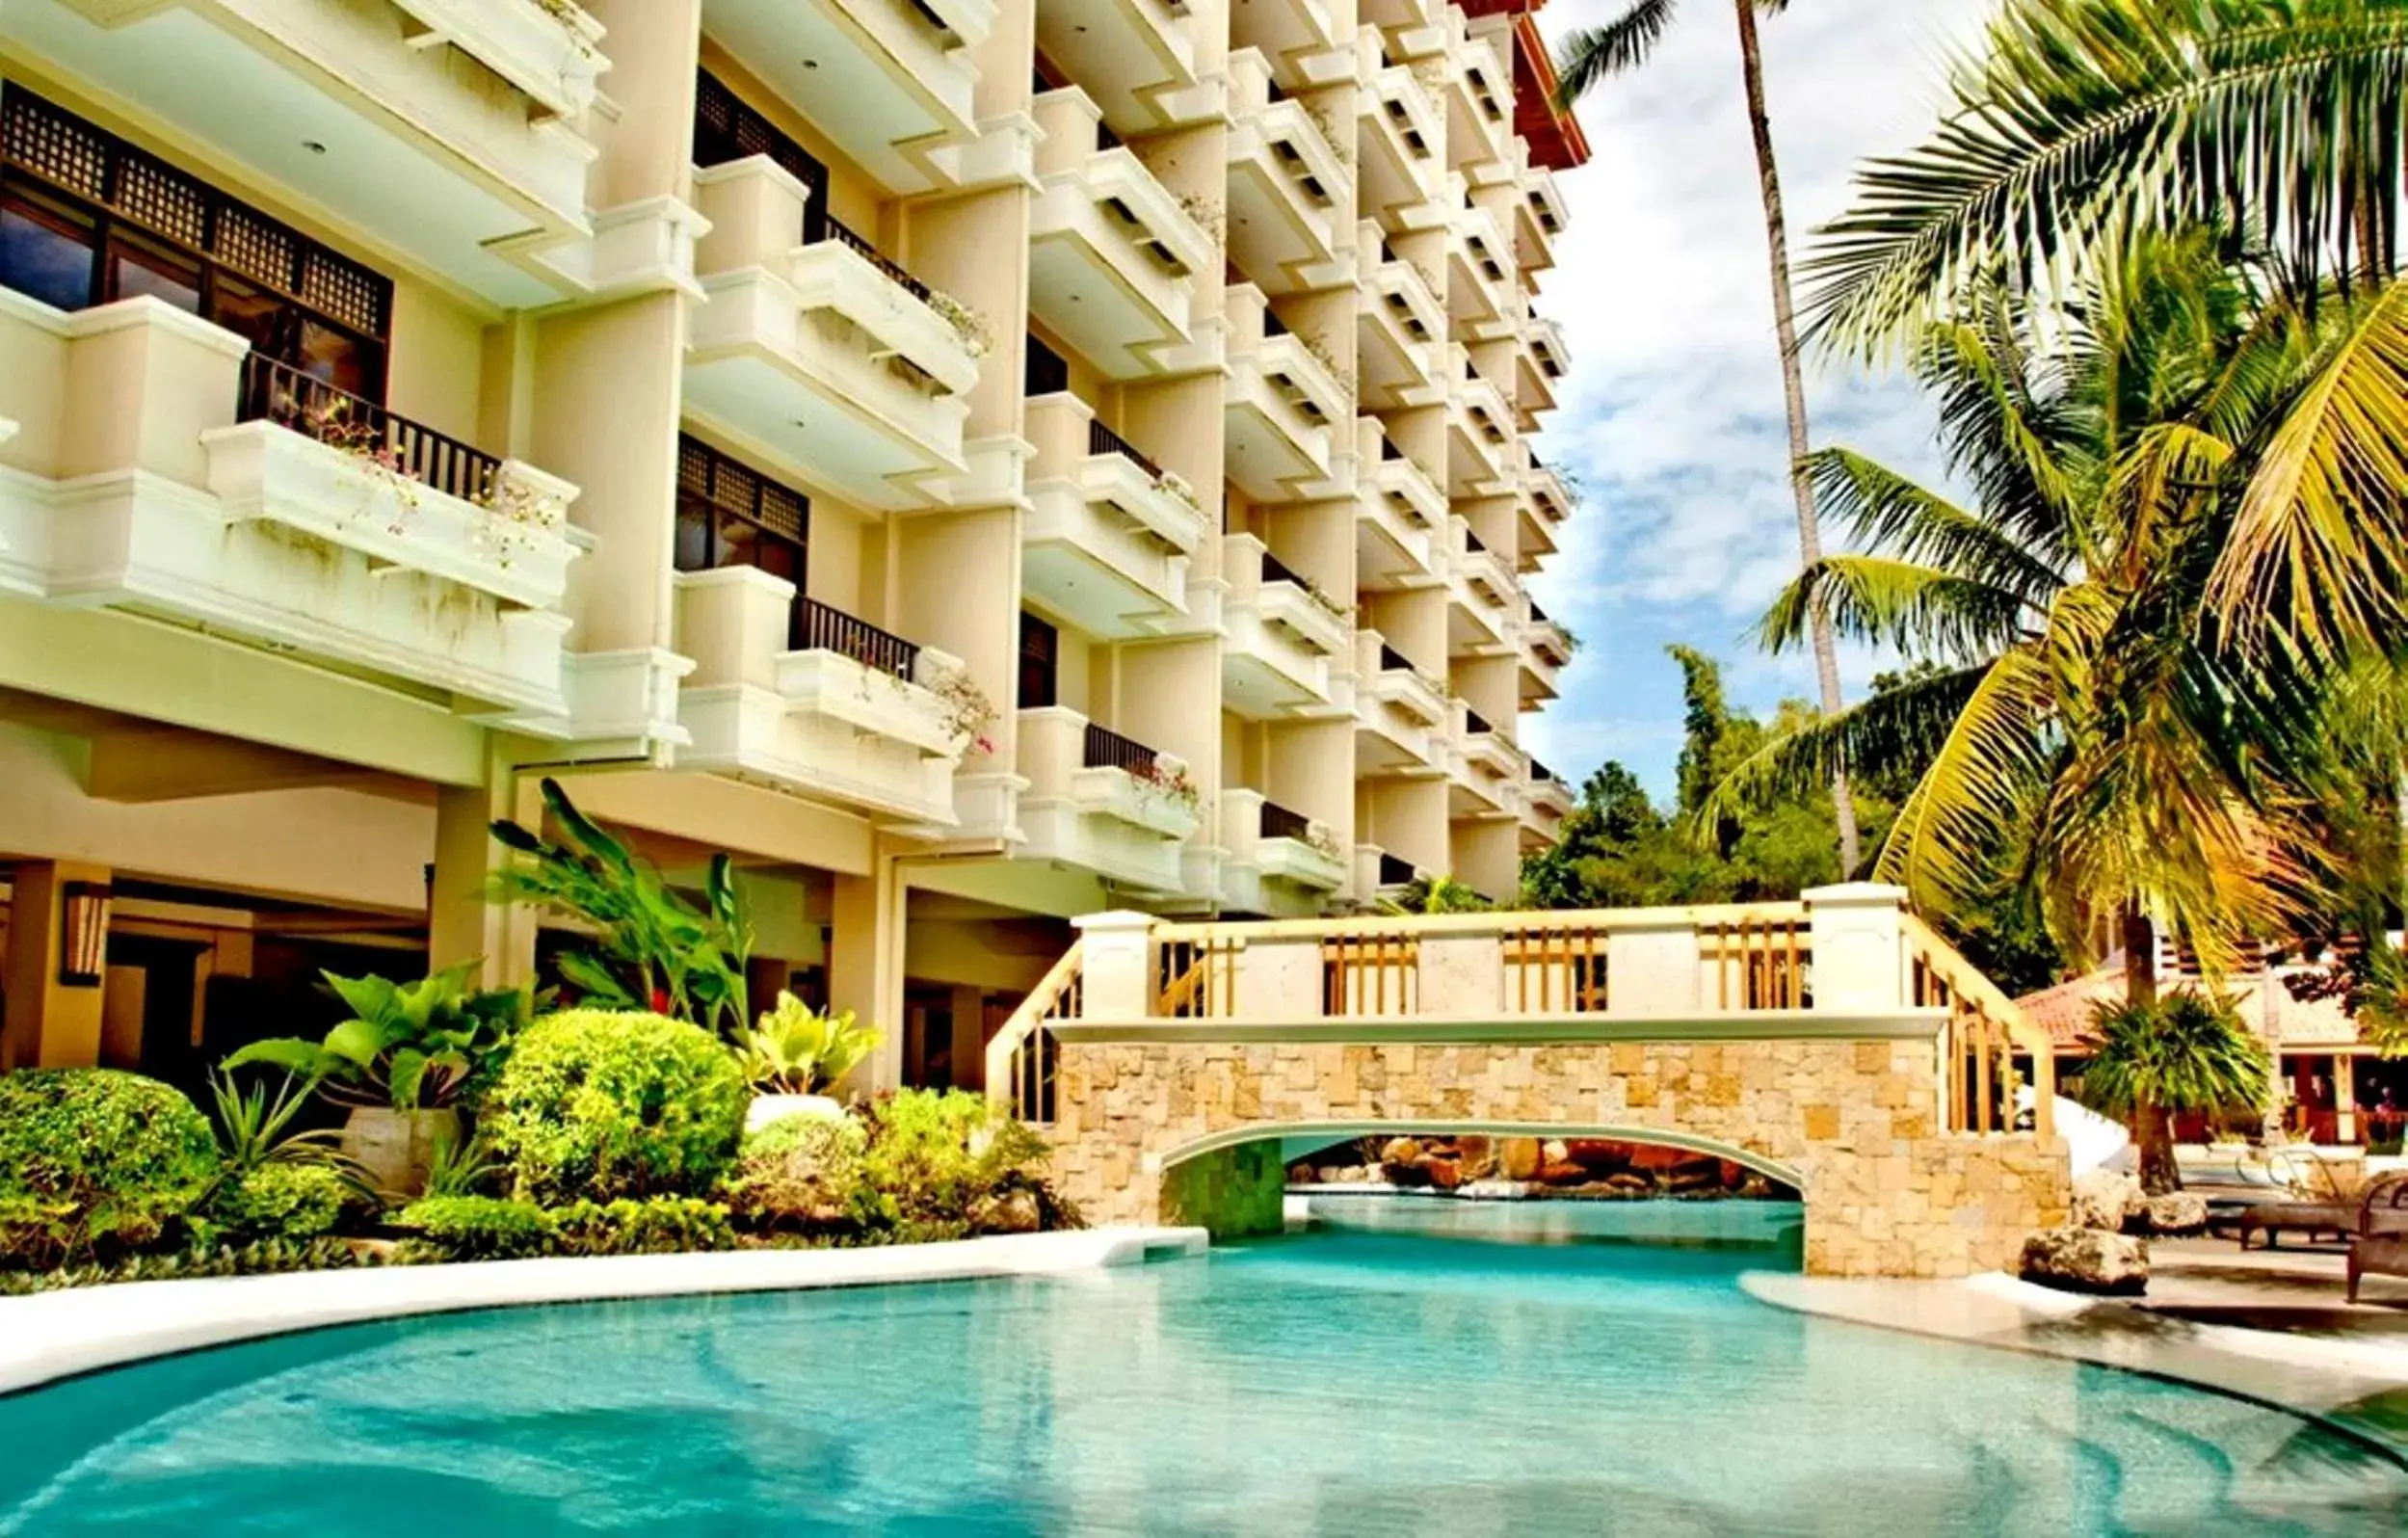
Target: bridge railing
x,y
1846,962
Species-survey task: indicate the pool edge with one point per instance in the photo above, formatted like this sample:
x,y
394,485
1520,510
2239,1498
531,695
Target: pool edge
x,y
49,1336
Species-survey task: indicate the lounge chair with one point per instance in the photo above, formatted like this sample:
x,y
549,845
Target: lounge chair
x,y
2327,1204
2380,1246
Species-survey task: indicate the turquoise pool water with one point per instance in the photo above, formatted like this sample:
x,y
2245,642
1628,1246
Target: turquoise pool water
x,y
1365,1381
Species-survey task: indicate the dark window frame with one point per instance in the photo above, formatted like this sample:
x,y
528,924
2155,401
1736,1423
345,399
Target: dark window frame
x,y
726,129
1040,663
45,150
724,490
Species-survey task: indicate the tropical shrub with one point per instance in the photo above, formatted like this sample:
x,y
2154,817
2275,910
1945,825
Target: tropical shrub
x,y
95,1163
268,1257
796,1050
461,1166
942,1156
296,1204
475,1228
665,1225
804,1174
410,1045
596,1104
2184,1052
653,948
254,1126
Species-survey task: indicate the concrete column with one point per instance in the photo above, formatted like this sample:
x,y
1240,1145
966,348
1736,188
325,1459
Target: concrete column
x,y
463,922
1117,981
49,1024
865,961
1859,947
2344,1097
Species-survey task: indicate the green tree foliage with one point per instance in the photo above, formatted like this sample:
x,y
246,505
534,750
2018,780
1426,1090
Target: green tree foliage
x,y
2184,1052
596,1105
96,1164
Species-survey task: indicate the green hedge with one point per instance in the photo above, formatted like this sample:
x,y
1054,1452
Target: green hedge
x,y
598,1106
294,1203
96,1164
475,1228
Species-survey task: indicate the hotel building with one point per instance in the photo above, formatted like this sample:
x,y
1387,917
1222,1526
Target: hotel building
x,y
978,462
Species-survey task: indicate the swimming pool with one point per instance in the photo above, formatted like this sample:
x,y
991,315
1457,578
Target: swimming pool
x,y
1371,1380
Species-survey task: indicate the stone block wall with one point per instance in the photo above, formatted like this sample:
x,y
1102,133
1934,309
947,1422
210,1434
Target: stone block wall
x,y
1854,1124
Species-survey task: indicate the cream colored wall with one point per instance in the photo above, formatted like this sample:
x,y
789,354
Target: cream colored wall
x,y
854,195
438,364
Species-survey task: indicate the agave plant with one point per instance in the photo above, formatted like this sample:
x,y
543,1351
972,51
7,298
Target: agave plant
x,y
652,947
251,1124
796,1049
461,1166
411,1046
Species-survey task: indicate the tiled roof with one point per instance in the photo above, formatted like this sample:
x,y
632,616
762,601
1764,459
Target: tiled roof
x,y
2064,1011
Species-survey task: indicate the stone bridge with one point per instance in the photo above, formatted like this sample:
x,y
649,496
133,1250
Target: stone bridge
x,y
1835,1043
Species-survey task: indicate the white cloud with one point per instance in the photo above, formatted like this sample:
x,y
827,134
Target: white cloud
x,y
1672,421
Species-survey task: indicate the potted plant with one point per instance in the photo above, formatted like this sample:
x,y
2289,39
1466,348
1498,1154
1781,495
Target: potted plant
x,y
403,1062
795,1053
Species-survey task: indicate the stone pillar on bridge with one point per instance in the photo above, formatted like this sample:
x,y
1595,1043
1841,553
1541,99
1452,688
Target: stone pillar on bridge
x,y
1858,932
1116,965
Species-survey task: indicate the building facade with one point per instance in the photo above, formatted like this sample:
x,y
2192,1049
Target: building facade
x,y
976,461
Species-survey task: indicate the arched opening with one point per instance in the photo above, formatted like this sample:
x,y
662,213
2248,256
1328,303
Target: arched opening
x,y
1237,1183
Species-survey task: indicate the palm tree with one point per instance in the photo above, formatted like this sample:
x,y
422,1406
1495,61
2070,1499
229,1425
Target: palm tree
x,y
2087,728
2080,123
1590,55
2186,1052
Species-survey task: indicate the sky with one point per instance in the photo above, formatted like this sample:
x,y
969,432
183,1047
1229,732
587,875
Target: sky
x,y
1673,423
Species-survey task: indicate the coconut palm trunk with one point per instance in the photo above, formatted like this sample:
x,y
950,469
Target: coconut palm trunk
x,y
2152,1125
1793,390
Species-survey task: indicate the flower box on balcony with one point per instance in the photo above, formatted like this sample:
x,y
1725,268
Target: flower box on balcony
x,y
1123,797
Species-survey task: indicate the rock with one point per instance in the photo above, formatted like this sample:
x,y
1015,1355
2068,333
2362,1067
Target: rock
x,y
1562,1172
1519,1157
1410,1174
1555,1150
2083,1259
1329,1173
2104,1199
1706,1175
1653,1159
2177,1212
1444,1173
1478,1157
1400,1151
1303,1175
1010,1212
1495,1190
1629,1183
1351,1175
1599,1153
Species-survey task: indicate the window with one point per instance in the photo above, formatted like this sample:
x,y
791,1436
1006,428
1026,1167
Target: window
x,y
730,514
1040,664
1047,372
87,220
726,129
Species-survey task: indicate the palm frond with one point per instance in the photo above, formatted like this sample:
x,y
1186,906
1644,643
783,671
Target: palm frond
x,y
1887,511
1589,54
1919,609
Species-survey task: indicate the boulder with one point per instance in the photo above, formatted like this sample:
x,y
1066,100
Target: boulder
x,y
1351,1175
1478,1155
1628,1183
1329,1173
1562,1172
2177,1212
1655,1160
1555,1150
1599,1153
1414,1176
1519,1157
1400,1151
1009,1212
1444,1173
2082,1259
2104,1199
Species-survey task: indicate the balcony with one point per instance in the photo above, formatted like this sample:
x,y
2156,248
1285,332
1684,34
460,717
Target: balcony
x,y
158,467
1480,618
1102,802
1283,406
1540,365
1479,275
1485,772
1113,256
1548,494
363,114
1289,195
1546,651
1277,859
1380,873
1108,535
1398,143
1401,717
829,355
1283,636
1546,802
1479,444
1400,335
890,82
1538,219
1478,98
1399,514
1137,58
796,695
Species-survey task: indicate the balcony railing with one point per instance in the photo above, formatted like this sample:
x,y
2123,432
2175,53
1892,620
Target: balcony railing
x,y
1389,449
1540,773
844,234
307,405
1107,748
1101,439
1396,873
818,627
1278,822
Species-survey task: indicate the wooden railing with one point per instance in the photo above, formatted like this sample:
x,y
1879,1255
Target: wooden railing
x,y
820,628
1760,960
282,394
1986,1032
1374,971
1557,970
1101,439
1021,1059
1195,974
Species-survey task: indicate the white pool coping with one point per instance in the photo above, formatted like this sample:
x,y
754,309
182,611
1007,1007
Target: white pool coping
x,y
51,1336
